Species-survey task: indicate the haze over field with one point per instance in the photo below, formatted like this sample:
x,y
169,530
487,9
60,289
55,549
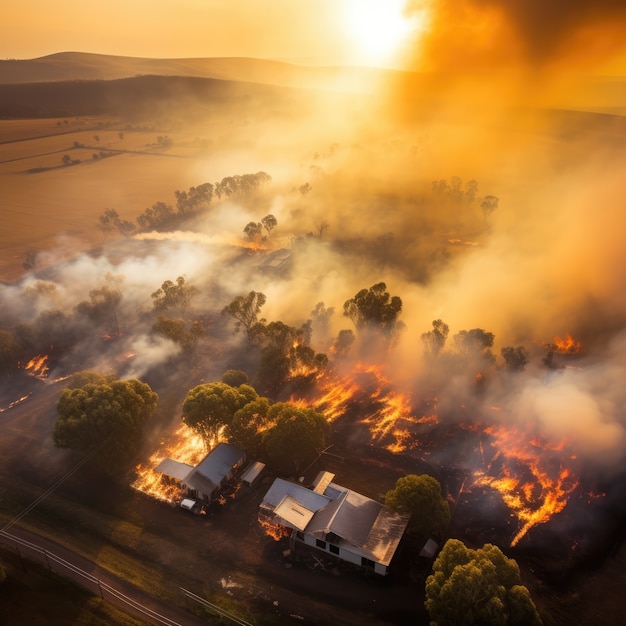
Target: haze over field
x,y
474,163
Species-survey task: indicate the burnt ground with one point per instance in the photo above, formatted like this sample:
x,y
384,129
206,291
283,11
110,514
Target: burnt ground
x,y
574,565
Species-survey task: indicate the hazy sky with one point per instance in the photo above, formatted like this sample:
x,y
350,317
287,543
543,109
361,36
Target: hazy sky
x,y
324,31
418,34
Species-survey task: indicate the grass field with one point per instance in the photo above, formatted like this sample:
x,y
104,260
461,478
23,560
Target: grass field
x,y
46,206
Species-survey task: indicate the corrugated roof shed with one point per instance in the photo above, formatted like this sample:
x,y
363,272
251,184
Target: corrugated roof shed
x,y
281,488
212,470
252,472
173,469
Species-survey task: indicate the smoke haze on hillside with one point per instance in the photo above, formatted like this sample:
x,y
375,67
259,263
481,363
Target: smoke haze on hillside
x,y
549,261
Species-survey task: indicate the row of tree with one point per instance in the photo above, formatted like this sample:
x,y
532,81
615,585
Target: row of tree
x,y
196,199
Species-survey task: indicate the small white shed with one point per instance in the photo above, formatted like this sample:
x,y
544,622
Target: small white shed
x,y
252,473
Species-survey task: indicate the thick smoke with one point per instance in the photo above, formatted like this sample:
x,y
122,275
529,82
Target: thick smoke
x,y
488,34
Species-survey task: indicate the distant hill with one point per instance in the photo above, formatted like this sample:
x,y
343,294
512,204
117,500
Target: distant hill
x,y
67,66
144,96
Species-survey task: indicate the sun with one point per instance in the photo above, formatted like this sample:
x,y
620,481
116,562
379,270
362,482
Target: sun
x,y
378,29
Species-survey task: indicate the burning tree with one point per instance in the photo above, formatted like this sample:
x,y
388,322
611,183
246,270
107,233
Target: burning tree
x,y
249,425
104,412
477,587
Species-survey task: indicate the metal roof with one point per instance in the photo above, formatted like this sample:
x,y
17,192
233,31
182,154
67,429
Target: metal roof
x,y
281,488
371,529
293,513
174,469
252,472
215,466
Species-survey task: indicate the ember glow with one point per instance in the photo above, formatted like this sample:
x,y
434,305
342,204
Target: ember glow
x,y
184,446
388,413
533,477
38,366
567,345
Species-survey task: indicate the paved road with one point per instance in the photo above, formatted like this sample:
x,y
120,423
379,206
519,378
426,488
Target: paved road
x,y
97,580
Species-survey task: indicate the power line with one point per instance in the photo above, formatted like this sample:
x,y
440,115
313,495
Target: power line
x,y
57,484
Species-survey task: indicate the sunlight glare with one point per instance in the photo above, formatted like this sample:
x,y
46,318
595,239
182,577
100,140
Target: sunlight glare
x,y
378,28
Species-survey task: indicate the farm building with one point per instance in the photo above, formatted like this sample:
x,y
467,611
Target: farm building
x,y
205,480
336,520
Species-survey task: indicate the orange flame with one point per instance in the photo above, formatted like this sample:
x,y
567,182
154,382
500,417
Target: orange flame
x,y
38,366
185,446
533,480
390,414
568,345
273,530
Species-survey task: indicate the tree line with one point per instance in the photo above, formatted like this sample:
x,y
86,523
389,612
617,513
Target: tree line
x,y
190,202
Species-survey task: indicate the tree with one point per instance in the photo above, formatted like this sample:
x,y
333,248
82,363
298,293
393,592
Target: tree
x,y
269,222
186,335
172,295
211,406
285,356
343,342
235,378
158,216
9,350
253,230
101,308
421,497
374,308
515,359
110,220
489,205
475,343
245,310
104,412
434,340
249,424
477,587
67,159
321,315
297,437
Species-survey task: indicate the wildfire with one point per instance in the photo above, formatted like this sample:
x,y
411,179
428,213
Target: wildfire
x,y
275,531
388,413
184,446
38,366
568,345
529,474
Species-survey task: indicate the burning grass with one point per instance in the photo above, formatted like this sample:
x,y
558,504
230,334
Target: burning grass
x,y
185,446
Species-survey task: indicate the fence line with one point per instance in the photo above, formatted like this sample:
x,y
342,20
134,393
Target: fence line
x,y
215,608
102,586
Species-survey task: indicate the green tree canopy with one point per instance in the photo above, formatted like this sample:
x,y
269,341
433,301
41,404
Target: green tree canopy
x,y
297,437
374,308
249,424
477,587
235,378
211,406
421,497
106,412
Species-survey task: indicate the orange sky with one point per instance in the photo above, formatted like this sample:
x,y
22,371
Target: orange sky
x,y
443,34
297,30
